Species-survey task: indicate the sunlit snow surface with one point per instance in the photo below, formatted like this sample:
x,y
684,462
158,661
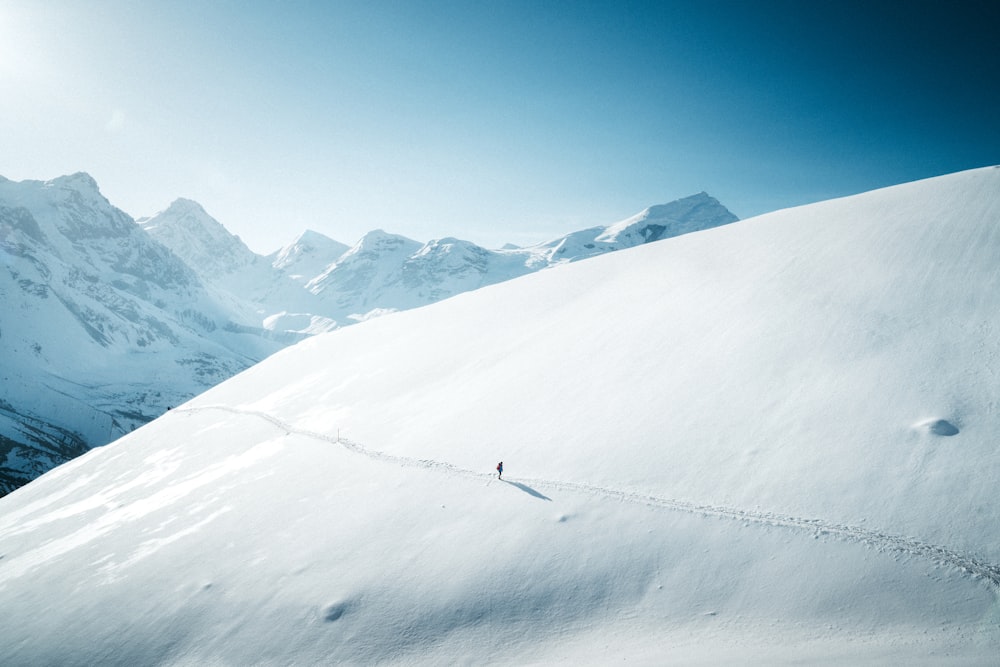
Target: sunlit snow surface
x,y
766,443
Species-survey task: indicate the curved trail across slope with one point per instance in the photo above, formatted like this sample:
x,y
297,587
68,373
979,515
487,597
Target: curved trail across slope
x,y
969,563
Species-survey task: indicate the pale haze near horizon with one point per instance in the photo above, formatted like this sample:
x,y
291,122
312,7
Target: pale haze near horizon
x,y
493,122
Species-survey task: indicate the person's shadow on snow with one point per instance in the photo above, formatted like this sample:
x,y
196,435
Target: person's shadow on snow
x,y
527,489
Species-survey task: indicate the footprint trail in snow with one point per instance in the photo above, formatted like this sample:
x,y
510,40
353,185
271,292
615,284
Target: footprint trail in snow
x,y
971,564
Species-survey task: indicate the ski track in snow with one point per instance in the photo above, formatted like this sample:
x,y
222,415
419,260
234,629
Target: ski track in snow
x,y
972,565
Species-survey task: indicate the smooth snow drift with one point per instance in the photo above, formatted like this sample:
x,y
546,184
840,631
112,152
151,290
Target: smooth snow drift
x,y
770,442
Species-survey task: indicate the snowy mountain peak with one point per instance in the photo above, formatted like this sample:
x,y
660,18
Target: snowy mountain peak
x,y
379,239
110,326
308,255
81,181
386,272
357,280
311,237
681,206
377,245
448,244
198,238
182,206
68,209
79,192
683,216
697,212
186,214
450,253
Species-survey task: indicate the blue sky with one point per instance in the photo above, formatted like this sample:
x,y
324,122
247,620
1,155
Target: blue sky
x,y
491,121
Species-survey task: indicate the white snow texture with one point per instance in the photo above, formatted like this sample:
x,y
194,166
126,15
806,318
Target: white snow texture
x,y
772,442
107,323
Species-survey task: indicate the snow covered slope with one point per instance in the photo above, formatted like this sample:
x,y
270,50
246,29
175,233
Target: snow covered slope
x,y
134,312
102,328
767,443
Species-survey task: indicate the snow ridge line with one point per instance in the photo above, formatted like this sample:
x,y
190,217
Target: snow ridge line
x,y
968,563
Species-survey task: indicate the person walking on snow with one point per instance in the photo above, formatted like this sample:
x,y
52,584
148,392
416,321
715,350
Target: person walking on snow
x,y
500,470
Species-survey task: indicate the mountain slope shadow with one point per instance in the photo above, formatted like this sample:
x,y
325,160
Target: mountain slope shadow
x,y
527,489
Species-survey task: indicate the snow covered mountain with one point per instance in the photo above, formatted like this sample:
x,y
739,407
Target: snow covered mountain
x,y
691,214
386,272
206,246
316,284
767,443
355,282
264,291
307,256
105,327
102,327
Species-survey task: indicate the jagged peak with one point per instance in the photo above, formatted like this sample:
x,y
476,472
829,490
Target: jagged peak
x,y
448,244
311,244
380,237
701,206
198,238
186,214
76,178
683,204
182,205
380,233
311,240
450,241
311,237
80,181
688,214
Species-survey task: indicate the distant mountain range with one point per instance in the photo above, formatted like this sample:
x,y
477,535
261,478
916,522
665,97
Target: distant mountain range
x,y
108,322
316,283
